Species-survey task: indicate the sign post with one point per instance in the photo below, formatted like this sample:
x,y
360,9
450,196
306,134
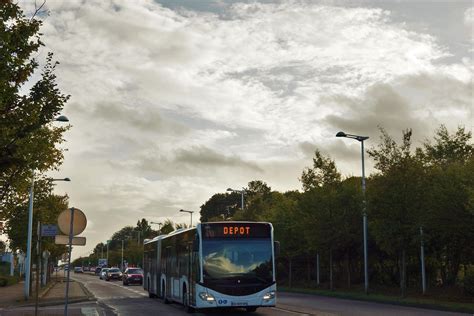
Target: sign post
x,y
71,222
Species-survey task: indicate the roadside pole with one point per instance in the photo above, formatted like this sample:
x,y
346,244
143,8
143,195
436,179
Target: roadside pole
x,y
317,268
38,262
121,262
422,255
69,260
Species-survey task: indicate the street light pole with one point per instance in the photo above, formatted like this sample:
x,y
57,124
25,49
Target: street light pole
x,y
159,225
191,213
61,118
30,236
364,207
28,242
121,262
242,192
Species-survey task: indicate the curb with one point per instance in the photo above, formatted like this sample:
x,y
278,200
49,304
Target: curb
x,y
53,302
427,306
90,296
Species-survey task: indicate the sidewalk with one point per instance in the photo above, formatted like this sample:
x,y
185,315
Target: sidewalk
x,y
52,294
11,295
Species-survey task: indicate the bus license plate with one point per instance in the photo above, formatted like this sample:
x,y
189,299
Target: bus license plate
x,y
238,303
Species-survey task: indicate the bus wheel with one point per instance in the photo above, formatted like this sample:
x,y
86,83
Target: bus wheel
x,y
150,295
187,308
251,309
165,299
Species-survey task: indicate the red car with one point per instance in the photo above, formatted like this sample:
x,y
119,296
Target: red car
x,y
132,276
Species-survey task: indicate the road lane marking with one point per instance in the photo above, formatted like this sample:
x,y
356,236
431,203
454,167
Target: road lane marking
x,y
290,312
89,311
129,289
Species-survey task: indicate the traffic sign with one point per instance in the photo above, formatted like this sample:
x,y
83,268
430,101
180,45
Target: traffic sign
x,y
48,230
79,221
64,240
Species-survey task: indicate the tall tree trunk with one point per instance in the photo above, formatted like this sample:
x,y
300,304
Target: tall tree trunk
x,y
348,269
317,269
403,284
289,272
308,267
330,270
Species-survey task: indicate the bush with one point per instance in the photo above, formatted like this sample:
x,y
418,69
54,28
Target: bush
x,y
469,282
6,280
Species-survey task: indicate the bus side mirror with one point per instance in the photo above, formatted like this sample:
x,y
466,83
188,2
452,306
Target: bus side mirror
x,y
276,246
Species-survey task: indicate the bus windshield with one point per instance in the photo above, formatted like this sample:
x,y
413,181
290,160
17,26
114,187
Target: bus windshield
x,y
242,259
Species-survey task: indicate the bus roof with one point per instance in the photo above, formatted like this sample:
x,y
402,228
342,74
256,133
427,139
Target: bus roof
x,y
181,230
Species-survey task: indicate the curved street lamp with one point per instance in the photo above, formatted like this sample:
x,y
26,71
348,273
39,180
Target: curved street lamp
x,y
61,118
191,213
364,210
242,192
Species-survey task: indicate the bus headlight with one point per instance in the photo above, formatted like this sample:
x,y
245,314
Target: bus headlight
x,y
269,296
206,297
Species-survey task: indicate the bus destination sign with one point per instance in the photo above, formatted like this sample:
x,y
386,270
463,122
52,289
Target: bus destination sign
x,y
236,230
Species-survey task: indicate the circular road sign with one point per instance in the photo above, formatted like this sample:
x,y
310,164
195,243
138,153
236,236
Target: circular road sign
x,y
78,225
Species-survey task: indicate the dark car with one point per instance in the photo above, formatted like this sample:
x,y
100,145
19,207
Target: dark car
x,y
113,274
132,276
97,270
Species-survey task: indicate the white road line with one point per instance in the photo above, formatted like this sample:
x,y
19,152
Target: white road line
x,y
129,289
89,311
287,311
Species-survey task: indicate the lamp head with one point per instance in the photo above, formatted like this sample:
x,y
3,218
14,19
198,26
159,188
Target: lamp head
x,y
229,189
341,134
67,179
62,118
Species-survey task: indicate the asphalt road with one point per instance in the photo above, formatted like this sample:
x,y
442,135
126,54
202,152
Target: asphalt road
x,y
113,298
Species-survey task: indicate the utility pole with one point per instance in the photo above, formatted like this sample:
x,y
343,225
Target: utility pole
x,y
121,262
108,252
422,255
361,139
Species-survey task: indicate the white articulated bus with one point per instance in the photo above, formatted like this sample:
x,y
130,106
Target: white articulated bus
x,y
213,265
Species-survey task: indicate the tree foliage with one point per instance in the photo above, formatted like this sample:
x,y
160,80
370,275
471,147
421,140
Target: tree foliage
x,y
28,139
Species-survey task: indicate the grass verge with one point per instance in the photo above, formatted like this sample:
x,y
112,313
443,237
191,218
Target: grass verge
x,y
429,303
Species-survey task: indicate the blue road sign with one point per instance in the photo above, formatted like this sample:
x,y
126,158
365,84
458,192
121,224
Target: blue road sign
x,y
48,230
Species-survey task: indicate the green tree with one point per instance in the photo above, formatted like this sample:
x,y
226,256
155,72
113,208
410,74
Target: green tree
x,y
257,196
323,172
167,227
449,218
218,204
396,198
145,229
283,214
27,138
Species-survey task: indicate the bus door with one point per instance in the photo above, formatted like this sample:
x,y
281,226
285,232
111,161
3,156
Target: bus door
x,y
168,272
189,271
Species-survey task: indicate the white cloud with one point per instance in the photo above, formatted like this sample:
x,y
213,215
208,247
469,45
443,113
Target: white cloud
x,y
170,107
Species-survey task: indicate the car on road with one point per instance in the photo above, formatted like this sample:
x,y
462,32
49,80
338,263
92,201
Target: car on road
x,y
103,273
97,270
132,276
78,270
86,269
113,274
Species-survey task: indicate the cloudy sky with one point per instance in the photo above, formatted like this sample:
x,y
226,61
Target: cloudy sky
x,y
175,100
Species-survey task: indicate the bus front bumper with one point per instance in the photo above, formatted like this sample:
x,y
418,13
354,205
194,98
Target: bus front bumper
x,y
207,298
